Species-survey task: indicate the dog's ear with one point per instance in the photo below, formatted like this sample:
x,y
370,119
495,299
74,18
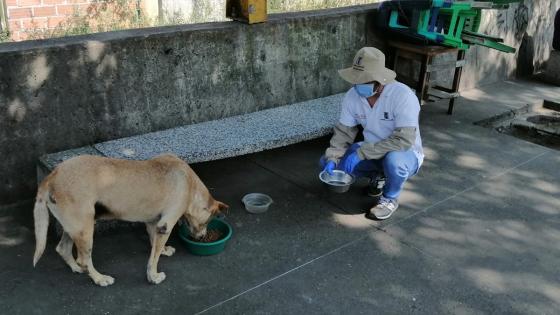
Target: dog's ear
x,y
220,207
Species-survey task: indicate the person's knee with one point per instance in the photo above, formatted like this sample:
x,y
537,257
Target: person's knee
x,y
395,164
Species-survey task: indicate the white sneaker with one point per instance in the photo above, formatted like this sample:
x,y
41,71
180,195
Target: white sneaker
x,y
384,209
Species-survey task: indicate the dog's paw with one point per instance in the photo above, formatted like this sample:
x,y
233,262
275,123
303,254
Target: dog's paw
x,y
104,281
156,278
168,251
77,269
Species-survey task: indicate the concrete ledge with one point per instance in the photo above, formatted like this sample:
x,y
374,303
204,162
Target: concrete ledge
x,y
48,162
233,136
218,139
168,31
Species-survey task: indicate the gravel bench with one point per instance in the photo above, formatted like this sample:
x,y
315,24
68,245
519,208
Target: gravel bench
x,y
219,139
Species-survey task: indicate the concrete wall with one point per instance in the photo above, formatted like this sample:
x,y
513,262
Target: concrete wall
x,y
65,93
527,26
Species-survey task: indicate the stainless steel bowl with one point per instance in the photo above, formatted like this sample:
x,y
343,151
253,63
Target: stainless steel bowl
x,y
338,182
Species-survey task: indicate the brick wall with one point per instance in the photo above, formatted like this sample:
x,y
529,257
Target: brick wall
x,y
26,17
31,19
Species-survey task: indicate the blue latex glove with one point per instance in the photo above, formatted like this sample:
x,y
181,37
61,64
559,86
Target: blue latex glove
x,y
329,168
349,163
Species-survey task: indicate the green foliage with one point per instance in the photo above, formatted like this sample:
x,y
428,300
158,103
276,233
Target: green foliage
x,y
112,15
5,37
278,6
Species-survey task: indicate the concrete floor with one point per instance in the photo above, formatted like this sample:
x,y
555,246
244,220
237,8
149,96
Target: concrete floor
x,y
477,232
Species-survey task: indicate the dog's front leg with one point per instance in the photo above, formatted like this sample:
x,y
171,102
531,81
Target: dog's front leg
x,y
158,244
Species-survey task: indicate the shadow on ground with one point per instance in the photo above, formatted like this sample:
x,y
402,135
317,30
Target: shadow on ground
x,y
477,232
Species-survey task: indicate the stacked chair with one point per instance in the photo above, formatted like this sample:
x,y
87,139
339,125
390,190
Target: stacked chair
x,y
452,23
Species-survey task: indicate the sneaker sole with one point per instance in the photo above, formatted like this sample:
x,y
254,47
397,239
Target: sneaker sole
x,y
373,216
384,218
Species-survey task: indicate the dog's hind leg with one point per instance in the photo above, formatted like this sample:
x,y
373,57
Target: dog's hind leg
x,y
84,244
64,248
152,230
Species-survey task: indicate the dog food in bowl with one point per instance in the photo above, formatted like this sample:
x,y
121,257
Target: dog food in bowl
x,y
211,236
217,234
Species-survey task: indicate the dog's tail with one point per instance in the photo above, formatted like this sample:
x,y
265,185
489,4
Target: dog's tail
x,y
41,216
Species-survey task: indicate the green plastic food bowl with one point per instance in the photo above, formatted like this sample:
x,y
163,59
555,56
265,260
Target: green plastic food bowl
x,y
207,249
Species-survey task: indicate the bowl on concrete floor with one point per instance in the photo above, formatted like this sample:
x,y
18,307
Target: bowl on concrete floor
x,y
210,248
338,182
256,202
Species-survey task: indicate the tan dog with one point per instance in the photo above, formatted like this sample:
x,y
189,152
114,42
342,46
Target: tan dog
x,y
158,192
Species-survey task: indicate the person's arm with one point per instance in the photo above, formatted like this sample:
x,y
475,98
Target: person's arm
x,y
402,139
345,131
342,138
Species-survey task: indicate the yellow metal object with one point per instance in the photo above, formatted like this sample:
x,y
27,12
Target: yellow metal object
x,y
248,11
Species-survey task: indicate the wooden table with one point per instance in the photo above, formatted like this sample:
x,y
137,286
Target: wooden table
x,y
425,55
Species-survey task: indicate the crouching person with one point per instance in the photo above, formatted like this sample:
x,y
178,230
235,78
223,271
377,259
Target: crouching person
x,y
388,111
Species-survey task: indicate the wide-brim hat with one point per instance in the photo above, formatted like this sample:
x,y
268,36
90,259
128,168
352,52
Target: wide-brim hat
x,y
368,66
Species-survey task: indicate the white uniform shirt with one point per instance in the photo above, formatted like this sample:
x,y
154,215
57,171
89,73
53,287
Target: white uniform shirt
x,y
396,107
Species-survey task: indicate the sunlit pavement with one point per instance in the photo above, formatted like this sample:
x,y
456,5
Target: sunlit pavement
x,y
477,232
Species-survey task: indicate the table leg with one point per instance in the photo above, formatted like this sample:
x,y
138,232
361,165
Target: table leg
x,y
395,59
424,78
456,81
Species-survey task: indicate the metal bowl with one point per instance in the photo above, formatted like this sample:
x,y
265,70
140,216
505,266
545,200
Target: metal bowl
x,y
338,182
256,202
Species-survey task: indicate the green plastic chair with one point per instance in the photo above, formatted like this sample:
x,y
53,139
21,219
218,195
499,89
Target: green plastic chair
x,y
461,21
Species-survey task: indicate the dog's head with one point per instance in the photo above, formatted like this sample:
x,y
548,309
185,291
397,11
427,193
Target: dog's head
x,y
198,220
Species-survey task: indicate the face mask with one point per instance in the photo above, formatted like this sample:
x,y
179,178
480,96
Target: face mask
x,y
365,90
